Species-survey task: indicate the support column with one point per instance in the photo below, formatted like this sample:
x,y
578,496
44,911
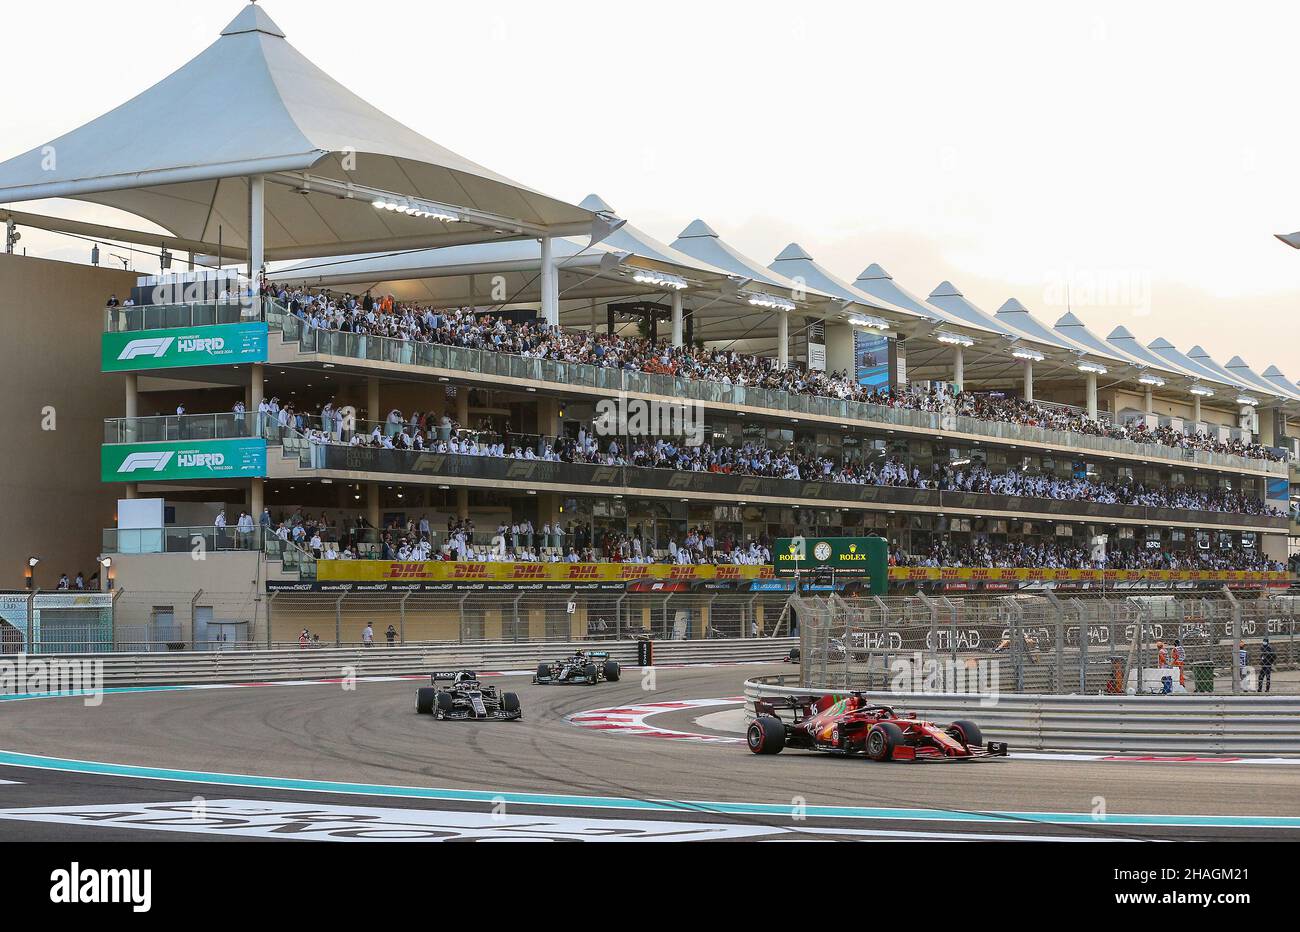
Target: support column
x,y
132,396
372,400
462,502
462,407
548,417
1092,395
372,503
959,367
1148,401
782,339
257,500
256,229
550,284
1029,381
256,392
1196,408
677,318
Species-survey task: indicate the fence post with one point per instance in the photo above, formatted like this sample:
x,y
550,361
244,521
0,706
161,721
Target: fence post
x,y
270,603
1233,657
338,620
31,621
401,619
1085,636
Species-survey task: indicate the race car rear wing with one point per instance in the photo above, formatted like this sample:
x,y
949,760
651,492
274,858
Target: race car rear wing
x,y
801,706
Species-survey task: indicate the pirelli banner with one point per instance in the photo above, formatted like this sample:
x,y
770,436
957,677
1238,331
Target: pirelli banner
x,y
451,571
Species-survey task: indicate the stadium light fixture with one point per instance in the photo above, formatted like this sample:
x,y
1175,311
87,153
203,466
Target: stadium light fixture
x,y
867,322
771,302
658,279
1031,355
1092,368
425,210
1202,391
1153,380
1247,400
954,339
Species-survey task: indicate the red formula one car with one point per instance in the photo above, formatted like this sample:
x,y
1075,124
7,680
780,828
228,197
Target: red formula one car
x,y
853,725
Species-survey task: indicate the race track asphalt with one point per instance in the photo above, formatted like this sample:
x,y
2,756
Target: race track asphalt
x,y
370,739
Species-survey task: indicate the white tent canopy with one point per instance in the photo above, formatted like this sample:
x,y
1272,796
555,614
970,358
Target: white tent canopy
x,y
947,298
1276,377
796,264
179,154
1122,340
463,275
1015,317
1074,330
1199,356
637,242
702,242
1238,369
1167,351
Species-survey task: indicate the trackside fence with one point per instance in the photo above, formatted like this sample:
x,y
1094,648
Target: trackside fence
x,y
1194,643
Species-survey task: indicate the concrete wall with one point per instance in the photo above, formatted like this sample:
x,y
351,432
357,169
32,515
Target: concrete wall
x,y
51,314
231,583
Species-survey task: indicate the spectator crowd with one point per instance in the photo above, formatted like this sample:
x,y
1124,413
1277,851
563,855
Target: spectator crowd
x,y
472,328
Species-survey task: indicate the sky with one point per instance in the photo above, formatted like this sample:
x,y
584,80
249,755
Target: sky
x,y
1129,162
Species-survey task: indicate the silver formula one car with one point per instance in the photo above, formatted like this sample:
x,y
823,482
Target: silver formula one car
x,y
587,667
460,696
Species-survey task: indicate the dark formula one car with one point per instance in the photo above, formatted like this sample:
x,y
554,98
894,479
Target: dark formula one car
x,y
460,696
583,667
853,725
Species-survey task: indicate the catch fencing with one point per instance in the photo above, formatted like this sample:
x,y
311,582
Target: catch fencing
x,y
1048,643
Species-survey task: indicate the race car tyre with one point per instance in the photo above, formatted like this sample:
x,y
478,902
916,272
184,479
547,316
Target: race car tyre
x,y
612,670
589,671
510,702
766,735
543,670
443,704
966,733
882,739
424,700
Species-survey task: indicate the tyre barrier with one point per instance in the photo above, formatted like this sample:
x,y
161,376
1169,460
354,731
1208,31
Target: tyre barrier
x,y
1156,725
244,666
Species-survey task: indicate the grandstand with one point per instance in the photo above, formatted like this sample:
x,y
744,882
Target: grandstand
x,y
400,381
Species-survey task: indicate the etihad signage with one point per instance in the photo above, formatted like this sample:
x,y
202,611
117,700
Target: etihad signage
x,y
218,344
202,459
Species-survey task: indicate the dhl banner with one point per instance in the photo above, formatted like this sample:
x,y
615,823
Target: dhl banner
x,y
450,571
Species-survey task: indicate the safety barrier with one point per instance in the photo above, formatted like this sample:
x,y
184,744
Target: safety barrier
x,y
182,668
1159,725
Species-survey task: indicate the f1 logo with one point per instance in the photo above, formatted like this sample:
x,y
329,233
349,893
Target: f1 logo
x,y
155,347
156,461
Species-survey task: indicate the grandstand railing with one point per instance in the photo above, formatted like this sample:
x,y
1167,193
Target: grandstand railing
x,y
168,316
341,457
489,364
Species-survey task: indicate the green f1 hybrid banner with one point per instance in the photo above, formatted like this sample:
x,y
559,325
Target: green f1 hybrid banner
x,y
849,556
217,344
202,459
